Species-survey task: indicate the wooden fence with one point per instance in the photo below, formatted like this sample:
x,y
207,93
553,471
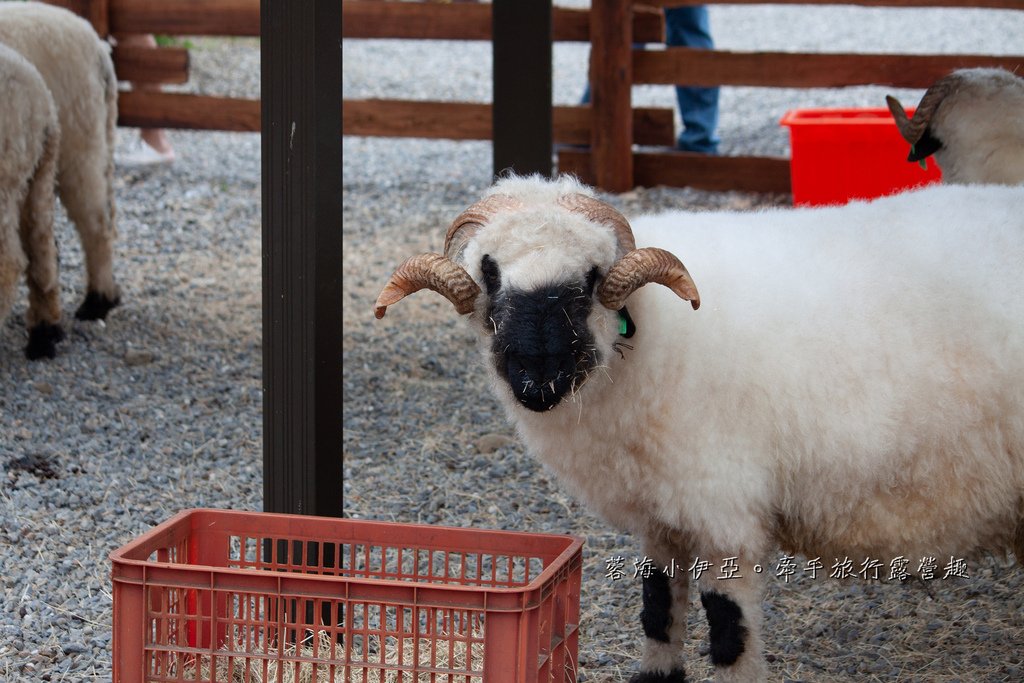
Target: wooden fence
x,y
603,134
611,126
170,65
571,125
612,164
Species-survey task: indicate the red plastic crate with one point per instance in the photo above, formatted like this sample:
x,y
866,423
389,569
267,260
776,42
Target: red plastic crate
x,y
223,596
841,154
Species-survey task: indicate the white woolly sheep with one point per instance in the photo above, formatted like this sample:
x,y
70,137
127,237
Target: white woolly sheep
x,y
29,139
853,384
78,70
973,122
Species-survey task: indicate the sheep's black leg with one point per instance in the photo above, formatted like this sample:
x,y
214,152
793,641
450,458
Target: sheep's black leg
x,y
656,615
728,635
96,306
42,341
664,620
733,607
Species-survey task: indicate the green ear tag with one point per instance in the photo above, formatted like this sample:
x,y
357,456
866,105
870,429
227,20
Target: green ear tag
x,y
922,162
623,326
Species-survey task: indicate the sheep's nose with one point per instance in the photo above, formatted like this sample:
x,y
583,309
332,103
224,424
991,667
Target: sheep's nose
x,y
540,382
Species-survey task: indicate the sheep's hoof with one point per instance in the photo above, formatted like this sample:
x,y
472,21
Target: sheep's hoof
x,y
96,306
42,341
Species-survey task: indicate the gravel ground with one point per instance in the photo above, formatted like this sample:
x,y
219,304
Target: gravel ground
x,y
425,442
158,409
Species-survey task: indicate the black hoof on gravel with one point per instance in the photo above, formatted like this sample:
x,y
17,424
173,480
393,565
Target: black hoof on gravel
x,y
42,341
96,306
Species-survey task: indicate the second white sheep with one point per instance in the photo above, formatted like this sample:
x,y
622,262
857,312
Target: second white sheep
x,y
29,140
973,122
77,68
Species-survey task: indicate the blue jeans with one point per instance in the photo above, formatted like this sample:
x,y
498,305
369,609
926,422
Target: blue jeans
x,y
698,107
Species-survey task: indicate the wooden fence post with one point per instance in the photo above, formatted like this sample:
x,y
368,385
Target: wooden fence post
x,y
611,133
300,55
98,14
522,124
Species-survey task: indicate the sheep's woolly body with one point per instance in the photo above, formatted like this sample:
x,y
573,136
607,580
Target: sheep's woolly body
x,y
851,386
981,127
29,136
77,68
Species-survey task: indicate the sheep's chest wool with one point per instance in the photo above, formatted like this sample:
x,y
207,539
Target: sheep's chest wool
x,y
841,370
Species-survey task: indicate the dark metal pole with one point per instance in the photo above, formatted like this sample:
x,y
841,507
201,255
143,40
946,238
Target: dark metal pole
x,y
300,53
522,86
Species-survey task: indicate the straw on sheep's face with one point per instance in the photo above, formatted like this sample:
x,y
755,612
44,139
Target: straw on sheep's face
x,y
542,266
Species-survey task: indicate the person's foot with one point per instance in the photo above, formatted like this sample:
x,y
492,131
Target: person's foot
x,y
708,148
138,153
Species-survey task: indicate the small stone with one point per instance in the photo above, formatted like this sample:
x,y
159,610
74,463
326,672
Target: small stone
x,y
488,443
134,357
44,388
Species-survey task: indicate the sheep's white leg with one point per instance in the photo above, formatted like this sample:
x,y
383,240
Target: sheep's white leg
x,y
666,601
86,192
734,613
36,233
12,256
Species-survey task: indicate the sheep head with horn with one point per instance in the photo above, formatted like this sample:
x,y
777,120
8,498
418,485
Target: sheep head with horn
x,y
971,121
528,262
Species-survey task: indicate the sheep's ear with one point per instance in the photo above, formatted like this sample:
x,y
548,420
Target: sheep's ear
x,y
926,146
429,271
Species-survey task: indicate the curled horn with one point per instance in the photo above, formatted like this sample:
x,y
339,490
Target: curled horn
x,y
641,266
913,129
635,267
429,271
441,273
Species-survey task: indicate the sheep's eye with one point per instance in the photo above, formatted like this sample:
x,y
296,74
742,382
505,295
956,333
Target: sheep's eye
x,y
492,276
592,277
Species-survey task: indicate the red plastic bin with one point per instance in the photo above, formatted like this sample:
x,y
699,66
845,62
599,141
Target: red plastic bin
x,y
841,154
224,596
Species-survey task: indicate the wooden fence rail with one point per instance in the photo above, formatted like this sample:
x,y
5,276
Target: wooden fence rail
x,y
435,21
185,17
800,70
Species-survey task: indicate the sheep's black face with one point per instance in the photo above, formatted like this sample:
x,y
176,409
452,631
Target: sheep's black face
x,y
925,147
542,346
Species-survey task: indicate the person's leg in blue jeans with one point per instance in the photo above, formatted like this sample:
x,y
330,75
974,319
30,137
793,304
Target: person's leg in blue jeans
x,y
698,107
